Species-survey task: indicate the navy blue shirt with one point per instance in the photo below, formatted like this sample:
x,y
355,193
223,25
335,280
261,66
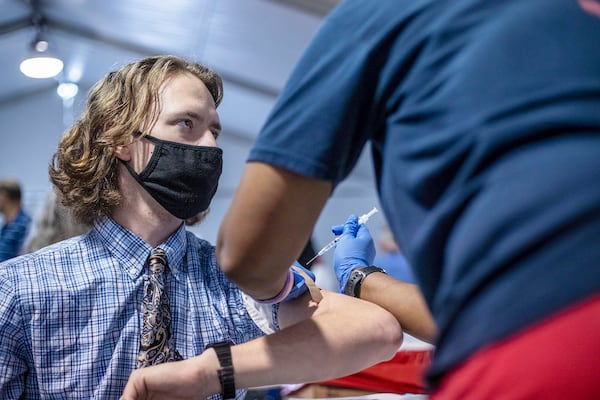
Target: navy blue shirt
x,y
484,124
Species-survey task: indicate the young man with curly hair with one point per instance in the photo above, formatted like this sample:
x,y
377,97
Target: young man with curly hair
x,y
75,317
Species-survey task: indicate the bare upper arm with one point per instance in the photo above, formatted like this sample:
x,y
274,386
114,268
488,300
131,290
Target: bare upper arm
x,y
304,307
291,312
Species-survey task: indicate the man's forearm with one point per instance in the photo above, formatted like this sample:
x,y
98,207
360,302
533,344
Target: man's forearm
x,y
344,336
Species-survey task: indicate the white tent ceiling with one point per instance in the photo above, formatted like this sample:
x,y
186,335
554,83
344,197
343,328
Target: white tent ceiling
x,y
253,44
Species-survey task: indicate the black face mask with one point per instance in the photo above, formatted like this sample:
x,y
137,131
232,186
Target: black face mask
x,y
180,177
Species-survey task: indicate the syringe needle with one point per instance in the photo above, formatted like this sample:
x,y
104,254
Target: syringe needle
x,y
324,250
312,259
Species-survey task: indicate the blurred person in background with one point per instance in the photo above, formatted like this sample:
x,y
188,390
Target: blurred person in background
x,y
390,258
16,223
53,224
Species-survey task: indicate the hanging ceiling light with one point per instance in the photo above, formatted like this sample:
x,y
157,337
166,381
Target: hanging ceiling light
x,y
40,63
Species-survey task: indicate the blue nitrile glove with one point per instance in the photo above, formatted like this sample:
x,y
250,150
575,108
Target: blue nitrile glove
x,y
354,249
299,287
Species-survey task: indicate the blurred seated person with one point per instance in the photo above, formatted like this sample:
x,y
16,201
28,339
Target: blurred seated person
x,y
390,258
80,317
16,223
53,224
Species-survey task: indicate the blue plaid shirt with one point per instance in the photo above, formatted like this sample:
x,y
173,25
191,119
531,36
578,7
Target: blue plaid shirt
x,y
70,313
13,235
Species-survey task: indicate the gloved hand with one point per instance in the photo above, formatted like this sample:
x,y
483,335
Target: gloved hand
x,y
354,249
299,286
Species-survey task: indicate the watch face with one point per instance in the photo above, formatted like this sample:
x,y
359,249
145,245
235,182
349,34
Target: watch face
x,y
356,278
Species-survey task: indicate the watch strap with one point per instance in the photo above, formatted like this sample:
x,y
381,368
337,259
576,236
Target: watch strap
x,y
225,372
357,277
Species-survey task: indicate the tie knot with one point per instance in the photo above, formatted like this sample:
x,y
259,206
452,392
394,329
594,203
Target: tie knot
x,y
157,261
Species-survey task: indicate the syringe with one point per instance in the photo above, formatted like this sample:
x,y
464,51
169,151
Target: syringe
x,y
361,220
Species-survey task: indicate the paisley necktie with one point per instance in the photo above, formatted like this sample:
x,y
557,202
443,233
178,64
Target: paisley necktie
x,y
156,345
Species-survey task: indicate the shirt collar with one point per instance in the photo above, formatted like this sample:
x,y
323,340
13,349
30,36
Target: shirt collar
x,y
132,252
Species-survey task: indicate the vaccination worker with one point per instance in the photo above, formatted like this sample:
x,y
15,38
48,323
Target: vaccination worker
x,y
483,121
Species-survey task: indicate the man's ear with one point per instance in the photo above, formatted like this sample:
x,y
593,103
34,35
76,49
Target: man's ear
x,y
123,153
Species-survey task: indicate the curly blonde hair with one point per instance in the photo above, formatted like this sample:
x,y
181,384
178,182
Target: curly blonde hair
x,y
84,167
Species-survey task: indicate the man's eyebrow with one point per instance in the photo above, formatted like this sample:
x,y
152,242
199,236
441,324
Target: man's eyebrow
x,y
196,116
193,115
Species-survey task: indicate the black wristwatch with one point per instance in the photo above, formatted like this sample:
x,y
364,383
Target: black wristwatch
x,y
357,277
226,378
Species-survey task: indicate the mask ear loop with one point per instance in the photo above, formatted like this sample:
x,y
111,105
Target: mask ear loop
x,y
148,137
136,134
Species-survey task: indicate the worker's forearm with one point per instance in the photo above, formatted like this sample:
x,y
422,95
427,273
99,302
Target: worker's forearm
x,y
404,300
267,225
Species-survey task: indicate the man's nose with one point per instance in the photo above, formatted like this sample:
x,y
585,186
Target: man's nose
x,y
207,138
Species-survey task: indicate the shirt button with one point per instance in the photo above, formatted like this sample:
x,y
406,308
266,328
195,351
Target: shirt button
x,y
132,271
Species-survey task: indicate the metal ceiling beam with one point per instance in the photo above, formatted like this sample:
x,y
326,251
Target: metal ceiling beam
x,y
25,94
316,7
15,25
80,31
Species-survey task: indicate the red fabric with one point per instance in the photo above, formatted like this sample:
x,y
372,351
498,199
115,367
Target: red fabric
x,y
555,359
402,374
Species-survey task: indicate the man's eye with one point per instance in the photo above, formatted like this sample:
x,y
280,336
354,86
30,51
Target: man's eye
x,y
216,133
185,122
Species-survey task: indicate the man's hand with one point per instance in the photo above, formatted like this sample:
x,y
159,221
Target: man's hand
x,y
304,280
174,380
354,249
298,281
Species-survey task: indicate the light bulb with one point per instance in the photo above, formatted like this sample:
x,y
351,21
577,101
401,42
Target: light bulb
x,y
40,67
